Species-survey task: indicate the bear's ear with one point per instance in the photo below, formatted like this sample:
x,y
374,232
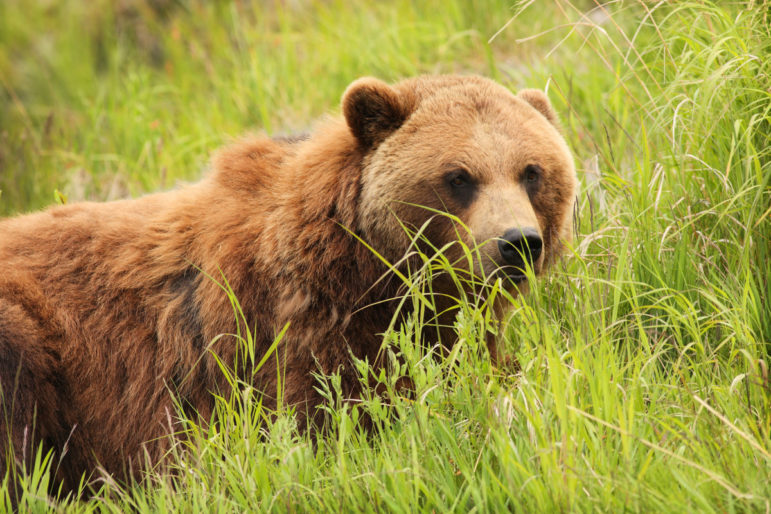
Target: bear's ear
x,y
373,110
540,102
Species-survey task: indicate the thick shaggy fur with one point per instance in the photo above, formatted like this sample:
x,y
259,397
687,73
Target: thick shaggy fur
x,y
108,310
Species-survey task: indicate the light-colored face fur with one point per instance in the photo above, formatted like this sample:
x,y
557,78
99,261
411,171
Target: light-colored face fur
x,y
469,147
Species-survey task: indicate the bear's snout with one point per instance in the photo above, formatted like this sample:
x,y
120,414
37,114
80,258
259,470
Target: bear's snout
x,y
520,246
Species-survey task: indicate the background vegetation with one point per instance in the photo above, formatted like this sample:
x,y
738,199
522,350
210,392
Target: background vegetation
x,y
644,381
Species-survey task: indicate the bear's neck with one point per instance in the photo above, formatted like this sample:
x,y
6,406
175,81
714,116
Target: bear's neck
x,y
299,239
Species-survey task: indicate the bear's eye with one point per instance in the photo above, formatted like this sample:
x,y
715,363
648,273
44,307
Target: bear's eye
x,y
462,187
458,178
532,173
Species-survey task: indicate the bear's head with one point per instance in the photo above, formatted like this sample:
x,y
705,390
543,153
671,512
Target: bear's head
x,y
465,146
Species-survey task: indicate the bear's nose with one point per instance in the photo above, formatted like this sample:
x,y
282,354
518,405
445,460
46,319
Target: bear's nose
x,y
516,245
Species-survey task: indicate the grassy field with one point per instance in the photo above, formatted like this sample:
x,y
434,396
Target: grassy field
x,y
644,381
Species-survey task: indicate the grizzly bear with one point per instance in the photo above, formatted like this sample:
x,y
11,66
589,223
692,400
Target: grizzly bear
x,y
113,314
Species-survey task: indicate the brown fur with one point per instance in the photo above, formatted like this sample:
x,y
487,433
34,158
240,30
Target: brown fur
x,y
103,309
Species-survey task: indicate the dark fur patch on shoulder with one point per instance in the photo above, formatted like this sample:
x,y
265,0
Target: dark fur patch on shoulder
x,y
183,286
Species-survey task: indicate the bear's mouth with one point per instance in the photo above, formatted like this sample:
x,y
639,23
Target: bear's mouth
x,y
511,273
517,277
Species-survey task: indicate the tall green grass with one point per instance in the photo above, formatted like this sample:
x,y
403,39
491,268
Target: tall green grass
x,y
644,357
